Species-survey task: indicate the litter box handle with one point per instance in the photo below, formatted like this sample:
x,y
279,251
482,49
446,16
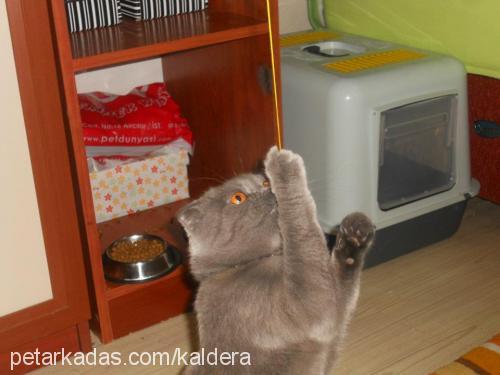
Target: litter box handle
x,y
316,50
487,129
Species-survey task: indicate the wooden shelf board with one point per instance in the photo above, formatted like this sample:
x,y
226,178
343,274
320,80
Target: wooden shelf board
x,y
118,290
136,40
157,221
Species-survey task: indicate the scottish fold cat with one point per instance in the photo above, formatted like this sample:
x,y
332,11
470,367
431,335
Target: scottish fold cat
x,y
269,286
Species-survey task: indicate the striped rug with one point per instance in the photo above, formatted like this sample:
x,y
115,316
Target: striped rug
x,y
483,360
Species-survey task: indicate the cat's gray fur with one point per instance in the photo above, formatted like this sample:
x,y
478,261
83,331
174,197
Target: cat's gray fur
x,y
268,284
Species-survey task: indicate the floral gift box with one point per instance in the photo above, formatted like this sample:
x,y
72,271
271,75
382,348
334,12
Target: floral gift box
x,y
129,188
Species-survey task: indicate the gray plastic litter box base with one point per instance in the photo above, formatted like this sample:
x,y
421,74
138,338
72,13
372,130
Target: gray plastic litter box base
x,y
407,236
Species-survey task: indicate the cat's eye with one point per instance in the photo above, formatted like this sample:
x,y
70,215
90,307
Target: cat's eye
x,y
266,183
238,198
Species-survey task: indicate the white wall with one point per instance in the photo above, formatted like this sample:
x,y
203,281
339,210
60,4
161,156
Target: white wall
x,y
293,16
24,276
120,79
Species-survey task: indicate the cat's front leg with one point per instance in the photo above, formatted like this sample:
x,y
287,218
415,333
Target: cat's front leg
x,y
297,210
303,239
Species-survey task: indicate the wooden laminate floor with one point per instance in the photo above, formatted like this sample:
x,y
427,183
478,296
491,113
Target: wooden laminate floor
x,y
415,314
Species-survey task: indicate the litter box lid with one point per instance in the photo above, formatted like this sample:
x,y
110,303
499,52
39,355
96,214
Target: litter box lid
x,y
346,55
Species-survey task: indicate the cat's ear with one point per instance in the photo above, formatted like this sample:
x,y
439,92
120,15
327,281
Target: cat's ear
x,y
189,216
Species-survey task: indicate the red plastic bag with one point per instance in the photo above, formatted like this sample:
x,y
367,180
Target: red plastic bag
x,y
147,116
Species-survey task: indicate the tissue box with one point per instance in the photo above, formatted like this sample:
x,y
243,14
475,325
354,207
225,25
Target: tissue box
x,y
129,188
149,9
92,14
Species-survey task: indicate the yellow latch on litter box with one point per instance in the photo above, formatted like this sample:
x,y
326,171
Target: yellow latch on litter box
x,y
373,60
307,37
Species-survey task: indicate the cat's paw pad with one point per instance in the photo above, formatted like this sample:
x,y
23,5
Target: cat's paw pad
x,y
284,166
357,229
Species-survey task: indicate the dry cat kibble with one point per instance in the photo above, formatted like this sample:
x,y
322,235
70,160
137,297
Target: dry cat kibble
x,y
139,251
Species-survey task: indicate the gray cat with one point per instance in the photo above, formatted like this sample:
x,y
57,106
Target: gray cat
x,y
269,287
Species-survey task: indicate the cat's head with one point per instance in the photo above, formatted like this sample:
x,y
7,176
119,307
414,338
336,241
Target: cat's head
x,y
231,224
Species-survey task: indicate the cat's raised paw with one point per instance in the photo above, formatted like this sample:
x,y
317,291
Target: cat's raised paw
x,y
284,166
357,230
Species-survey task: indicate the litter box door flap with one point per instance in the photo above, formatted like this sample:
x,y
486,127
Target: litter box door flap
x,y
416,154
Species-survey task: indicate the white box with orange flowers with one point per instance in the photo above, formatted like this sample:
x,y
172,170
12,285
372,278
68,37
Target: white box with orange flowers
x,y
129,188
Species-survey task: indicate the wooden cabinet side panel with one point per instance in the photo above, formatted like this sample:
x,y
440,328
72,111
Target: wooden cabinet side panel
x,y
67,340
151,305
222,93
97,286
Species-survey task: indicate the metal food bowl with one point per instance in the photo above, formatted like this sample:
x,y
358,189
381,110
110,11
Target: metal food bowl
x,y
137,272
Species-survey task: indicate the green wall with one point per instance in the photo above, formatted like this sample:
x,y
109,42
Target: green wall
x,y
466,29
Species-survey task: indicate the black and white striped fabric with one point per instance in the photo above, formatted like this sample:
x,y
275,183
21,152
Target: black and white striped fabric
x,y
148,9
91,14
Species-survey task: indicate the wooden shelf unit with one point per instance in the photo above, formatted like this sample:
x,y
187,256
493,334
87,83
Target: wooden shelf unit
x,y
132,40
216,64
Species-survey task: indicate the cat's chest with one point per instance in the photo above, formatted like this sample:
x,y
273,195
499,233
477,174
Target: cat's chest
x,y
248,294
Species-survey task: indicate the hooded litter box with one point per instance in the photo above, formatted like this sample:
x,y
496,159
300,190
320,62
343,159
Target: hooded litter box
x,y
382,129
